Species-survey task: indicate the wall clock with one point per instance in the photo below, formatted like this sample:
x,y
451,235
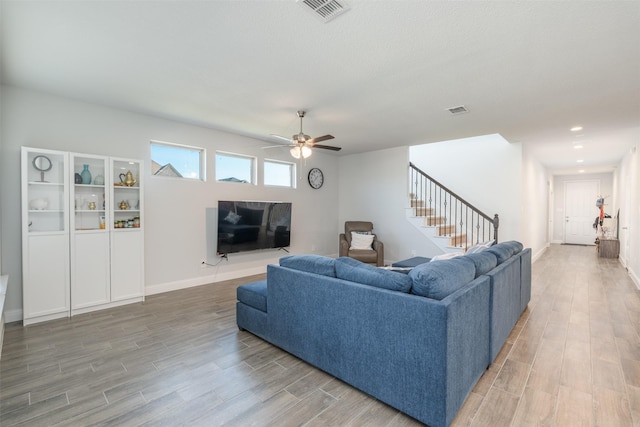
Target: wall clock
x,y
316,178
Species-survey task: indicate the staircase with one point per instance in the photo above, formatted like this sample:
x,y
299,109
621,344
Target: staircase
x,y
446,219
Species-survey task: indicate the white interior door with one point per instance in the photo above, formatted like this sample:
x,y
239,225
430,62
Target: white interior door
x,y
580,211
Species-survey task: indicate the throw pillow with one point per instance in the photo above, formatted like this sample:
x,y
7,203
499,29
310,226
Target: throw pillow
x,y
437,280
479,247
310,263
232,217
445,256
361,241
359,272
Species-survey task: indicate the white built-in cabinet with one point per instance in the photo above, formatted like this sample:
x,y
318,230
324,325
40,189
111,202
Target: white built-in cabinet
x,y
82,233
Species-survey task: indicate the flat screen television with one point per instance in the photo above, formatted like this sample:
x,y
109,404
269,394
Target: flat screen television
x,y
251,225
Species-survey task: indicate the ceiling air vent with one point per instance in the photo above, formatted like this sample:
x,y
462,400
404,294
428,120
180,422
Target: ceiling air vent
x,y
458,110
326,10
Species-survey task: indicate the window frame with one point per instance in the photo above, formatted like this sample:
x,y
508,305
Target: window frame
x,y
292,173
202,161
254,165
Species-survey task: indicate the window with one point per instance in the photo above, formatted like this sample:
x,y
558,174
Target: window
x,y
281,174
235,168
178,161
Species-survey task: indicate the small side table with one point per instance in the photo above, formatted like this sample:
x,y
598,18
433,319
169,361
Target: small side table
x,y
609,248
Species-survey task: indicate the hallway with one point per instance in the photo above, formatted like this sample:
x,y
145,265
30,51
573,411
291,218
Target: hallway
x,y
574,357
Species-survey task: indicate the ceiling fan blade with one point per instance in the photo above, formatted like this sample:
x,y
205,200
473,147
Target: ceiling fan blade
x,y
320,138
278,146
327,147
283,138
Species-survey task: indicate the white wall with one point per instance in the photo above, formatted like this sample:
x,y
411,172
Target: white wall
x,y
626,188
536,191
559,181
373,187
485,170
175,238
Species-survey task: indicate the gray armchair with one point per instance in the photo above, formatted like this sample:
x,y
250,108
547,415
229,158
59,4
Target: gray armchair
x,y
374,255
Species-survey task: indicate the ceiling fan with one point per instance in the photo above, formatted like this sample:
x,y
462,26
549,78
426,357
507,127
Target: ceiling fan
x,y
301,144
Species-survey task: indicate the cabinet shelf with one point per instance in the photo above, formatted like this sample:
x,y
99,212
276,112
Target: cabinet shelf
x,y
89,186
46,183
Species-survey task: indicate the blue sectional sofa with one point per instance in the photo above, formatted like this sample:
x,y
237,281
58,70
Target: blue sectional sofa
x,y
418,341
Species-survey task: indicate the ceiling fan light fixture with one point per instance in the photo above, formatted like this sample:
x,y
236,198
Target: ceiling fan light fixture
x,y
300,151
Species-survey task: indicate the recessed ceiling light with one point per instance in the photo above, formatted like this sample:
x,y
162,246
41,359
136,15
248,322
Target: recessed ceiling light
x,y
579,161
576,129
577,147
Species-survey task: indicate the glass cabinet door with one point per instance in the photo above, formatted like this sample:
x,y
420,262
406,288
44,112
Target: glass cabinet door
x,y
127,194
44,175
89,197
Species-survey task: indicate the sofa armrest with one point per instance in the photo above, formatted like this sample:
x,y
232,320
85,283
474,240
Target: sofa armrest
x,y
378,246
344,245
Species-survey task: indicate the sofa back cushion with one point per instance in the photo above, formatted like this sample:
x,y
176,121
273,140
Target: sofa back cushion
x,y
516,247
501,251
359,272
505,250
484,262
310,263
439,279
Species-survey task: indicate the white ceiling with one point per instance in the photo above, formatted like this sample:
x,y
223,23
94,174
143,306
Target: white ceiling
x,y
380,75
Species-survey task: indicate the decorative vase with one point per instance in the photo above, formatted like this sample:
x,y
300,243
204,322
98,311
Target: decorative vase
x,y
77,178
85,174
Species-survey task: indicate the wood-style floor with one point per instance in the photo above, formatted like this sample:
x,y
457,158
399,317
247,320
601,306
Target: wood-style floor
x,y
178,359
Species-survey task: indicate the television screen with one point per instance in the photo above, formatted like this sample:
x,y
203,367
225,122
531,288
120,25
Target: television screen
x,y
250,225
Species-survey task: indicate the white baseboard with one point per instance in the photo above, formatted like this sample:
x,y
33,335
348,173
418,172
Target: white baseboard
x,y
635,278
204,280
13,316
538,254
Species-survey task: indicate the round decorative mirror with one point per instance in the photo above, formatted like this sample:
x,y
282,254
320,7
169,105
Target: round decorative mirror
x,y
43,164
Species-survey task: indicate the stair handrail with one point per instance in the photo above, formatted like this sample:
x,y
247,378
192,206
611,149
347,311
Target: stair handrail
x,y
495,221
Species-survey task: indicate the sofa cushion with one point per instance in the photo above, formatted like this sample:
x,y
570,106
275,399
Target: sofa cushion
x,y
439,279
484,262
516,247
501,251
254,295
310,263
359,272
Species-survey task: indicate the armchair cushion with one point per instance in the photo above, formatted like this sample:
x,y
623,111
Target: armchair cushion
x,y
373,254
